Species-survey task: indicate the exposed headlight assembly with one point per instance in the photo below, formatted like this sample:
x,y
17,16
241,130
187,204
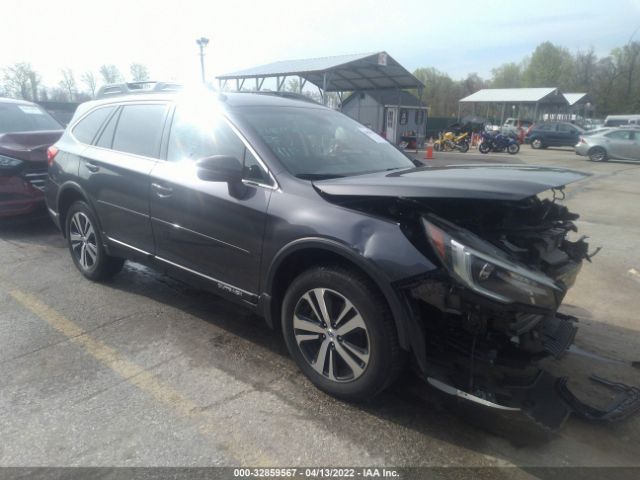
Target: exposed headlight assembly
x,y
480,269
8,163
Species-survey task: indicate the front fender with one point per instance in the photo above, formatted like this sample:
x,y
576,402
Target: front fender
x,y
411,334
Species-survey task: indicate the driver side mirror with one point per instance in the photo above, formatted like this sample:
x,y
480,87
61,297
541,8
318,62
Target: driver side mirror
x,y
220,168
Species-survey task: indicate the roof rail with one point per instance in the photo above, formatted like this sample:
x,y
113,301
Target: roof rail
x,y
128,88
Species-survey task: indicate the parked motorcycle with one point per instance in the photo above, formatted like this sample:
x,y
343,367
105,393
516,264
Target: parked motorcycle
x,y
498,143
449,141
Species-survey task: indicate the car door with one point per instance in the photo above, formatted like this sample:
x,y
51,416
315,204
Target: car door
x,y
205,227
621,144
115,172
566,135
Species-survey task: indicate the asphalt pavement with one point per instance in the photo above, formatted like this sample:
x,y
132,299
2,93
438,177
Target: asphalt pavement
x,y
146,371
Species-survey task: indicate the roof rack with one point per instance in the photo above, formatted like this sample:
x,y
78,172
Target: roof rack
x,y
129,88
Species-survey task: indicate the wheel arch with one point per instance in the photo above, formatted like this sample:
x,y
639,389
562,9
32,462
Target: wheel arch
x,y
68,194
303,254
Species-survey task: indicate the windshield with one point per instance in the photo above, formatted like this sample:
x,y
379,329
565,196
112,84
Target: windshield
x,y
25,118
317,143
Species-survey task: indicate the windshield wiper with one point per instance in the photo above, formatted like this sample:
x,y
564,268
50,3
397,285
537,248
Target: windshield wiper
x,y
318,176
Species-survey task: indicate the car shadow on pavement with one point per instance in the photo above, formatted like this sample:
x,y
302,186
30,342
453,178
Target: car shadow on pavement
x,y
409,403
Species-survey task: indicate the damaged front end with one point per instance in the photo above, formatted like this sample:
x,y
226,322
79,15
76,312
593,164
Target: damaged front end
x,y
491,311
506,253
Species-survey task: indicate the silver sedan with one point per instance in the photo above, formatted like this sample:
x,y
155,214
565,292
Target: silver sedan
x,y
610,143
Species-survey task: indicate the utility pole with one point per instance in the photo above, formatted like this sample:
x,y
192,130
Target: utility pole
x,y
202,42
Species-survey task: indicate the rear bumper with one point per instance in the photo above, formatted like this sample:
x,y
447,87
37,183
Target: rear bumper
x,y
582,149
18,197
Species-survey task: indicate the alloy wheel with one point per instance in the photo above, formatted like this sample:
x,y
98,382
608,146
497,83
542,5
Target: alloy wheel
x,y
83,240
331,335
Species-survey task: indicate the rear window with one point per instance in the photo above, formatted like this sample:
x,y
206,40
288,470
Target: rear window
x,y
139,130
87,128
25,118
615,122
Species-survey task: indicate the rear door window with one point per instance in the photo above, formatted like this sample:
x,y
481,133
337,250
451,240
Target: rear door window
x,y
139,129
87,128
105,139
621,135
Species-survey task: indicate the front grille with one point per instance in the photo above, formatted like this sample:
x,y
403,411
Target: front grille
x,y
37,177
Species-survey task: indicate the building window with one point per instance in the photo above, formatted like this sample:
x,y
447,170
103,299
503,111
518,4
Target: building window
x,y
404,115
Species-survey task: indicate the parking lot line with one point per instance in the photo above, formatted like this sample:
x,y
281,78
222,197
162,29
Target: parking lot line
x,y
137,376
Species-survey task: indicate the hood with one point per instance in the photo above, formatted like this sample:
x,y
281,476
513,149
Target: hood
x,y
487,182
28,146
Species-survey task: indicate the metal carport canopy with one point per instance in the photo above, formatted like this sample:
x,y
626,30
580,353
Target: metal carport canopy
x,y
343,73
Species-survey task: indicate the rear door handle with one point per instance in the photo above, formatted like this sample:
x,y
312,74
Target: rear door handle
x,y
161,190
91,167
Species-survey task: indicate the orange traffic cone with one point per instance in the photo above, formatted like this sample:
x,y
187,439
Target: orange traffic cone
x,y
428,153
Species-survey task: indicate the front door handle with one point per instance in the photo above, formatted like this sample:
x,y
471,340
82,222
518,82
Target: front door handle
x,y
161,190
91,167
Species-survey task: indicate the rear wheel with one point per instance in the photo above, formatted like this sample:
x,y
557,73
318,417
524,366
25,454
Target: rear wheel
x,y
437,146
86,246
513,148
598,154
537,143
464,147
484,148
341,333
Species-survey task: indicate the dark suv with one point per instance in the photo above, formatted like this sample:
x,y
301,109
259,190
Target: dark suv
x,y
363,258
553,134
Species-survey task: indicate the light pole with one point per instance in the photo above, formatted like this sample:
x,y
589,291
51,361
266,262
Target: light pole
x,y
202,42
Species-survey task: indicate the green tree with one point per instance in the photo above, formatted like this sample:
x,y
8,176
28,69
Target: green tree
x,y
507,75
549,66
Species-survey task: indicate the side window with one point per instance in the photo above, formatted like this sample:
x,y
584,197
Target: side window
x,y
139,129
195,135
87,128
253,171
106,137
564,128
620,135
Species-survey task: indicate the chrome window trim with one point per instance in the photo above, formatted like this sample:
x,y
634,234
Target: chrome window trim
x,y
139,250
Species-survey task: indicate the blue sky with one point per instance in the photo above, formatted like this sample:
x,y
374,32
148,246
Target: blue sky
x,y
455,37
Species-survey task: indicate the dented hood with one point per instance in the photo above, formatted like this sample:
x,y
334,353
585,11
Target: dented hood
x,y
488,182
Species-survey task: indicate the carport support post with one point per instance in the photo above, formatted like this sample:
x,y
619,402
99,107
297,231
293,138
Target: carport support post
x,y
459,105
324,88
502,115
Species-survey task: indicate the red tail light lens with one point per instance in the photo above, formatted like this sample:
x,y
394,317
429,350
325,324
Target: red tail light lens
x,y
52,151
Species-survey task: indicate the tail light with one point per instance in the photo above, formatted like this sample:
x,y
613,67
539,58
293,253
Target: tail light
x,y
52,151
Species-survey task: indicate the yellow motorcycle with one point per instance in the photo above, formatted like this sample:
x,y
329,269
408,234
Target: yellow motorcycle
x,y
449,142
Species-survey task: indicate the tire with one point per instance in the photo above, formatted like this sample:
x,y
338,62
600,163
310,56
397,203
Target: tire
x,y
437,147
484,148
86,246
360,353
513,148
463,147
536,143
598,154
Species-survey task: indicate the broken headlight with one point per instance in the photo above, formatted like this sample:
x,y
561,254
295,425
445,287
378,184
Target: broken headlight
x,y
479,266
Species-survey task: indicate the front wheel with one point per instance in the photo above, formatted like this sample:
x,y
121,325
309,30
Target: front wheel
x,y
513,148
341,333
536,143
484,148
463,147
437,146
86,246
